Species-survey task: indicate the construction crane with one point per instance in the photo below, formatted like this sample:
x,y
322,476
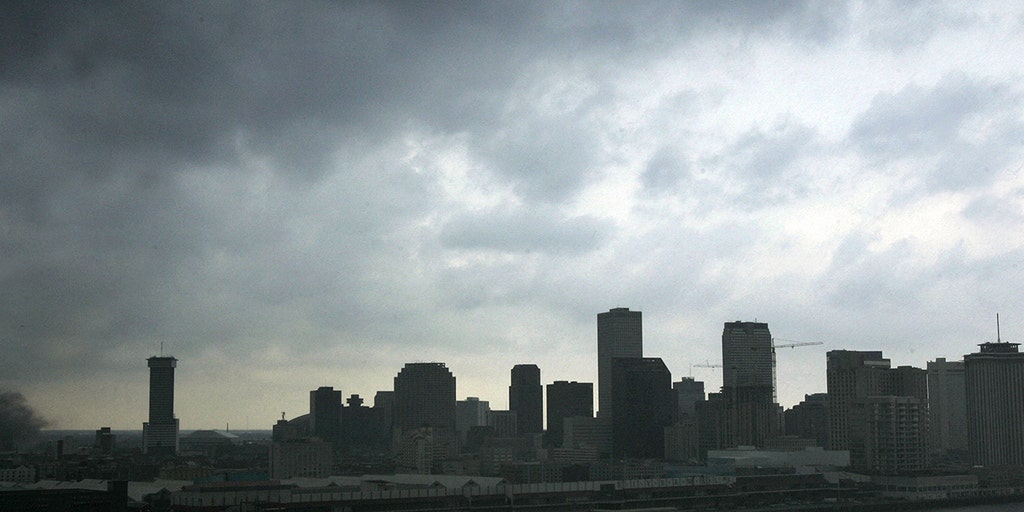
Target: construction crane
x,y
794,343
708,364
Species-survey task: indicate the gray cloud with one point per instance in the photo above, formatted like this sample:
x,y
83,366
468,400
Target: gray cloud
x,y
265,182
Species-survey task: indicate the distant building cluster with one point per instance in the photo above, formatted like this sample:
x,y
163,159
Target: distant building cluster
x,y
873,418
954,429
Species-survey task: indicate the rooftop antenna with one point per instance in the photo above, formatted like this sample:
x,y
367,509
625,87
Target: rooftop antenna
x,y
161,349
999,338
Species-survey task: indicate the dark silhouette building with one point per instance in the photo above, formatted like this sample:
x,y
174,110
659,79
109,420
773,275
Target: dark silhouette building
x,y
526,398
325,414
362,429
567,400
619,334
995,404
809,419
160,433
424,396
643,403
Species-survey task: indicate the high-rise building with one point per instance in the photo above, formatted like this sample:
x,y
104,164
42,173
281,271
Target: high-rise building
x,y
748,359
526,398
567,400
619,334
873,408
995,404
160,433
325,414
747,405
424,396
947,405
643,402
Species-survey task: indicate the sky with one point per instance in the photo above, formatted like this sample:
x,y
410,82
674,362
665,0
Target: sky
x,y
291,195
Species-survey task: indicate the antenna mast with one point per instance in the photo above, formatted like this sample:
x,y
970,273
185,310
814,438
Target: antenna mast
x,y
999,338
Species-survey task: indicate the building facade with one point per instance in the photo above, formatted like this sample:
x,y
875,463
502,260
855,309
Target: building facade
x,y
748,359
424,396
160,433
947,405
526,398
619,334
887,434
994,379
878,413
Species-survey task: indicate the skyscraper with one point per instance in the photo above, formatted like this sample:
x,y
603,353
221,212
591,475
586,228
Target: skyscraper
x,y
748,385
643,403
325,414
160,433
526,398
424,396
747,356
619,334
995,404
567,400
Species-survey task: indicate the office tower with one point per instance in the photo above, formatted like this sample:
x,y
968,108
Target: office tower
x,y
748,385
995,404
325,414
809,419
526,398
687,392
567,400
424,396
947,405
619,334
160,433
748,359
469,413
643,403
862,386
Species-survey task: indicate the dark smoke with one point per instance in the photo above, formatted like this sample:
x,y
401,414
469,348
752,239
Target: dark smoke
x,y
18,422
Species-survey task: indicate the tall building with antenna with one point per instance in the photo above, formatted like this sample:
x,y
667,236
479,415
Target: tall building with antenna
x,y
160,433
994,379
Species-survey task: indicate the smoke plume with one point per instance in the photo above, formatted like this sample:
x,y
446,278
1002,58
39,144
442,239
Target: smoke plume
x,y
18,422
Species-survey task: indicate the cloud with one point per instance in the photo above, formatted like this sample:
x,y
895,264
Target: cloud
x,y
321,192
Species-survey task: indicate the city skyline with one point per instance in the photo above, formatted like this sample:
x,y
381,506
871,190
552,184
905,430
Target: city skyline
x,y
295,195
